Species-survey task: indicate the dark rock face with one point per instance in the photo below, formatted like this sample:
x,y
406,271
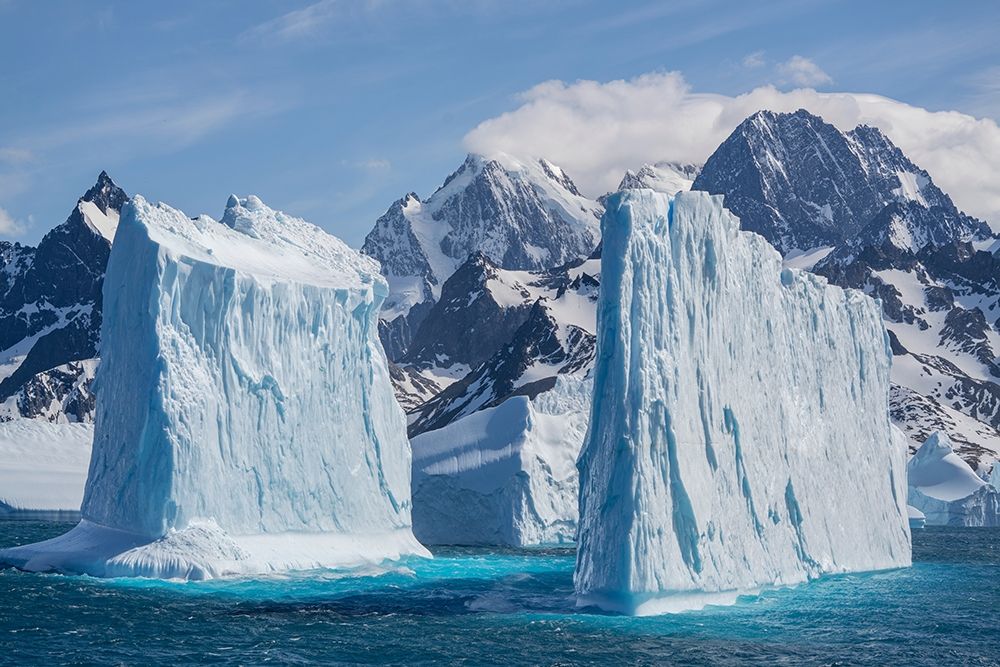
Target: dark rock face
x,y
468,324
801,183
396,335
50,307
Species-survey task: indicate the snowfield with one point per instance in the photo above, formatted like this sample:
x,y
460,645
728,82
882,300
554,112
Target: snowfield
x,y
245,419
43,467
734,401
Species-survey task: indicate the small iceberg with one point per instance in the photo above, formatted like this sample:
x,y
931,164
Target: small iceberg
x,y
946,490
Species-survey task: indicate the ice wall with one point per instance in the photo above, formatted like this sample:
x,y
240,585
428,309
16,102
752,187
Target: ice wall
x,y
245,418
504,475
739,433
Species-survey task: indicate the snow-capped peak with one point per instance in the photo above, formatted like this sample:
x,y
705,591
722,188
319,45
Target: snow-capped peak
x,y
101,206
523,214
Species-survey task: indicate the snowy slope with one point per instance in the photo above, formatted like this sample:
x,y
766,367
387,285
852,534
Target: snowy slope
x,y
504,475
733,401
946,490
522,214
43,467
245,418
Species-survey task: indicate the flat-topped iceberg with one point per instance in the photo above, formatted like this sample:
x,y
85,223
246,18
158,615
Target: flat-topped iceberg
x,y
245,418
739,434
946,490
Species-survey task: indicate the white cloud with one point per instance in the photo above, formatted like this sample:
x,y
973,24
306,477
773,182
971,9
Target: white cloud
x,y
12,155
375,164
754,60
598,130
803,72
8,225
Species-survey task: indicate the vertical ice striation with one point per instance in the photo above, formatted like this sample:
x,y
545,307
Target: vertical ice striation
x,y
739,432
245,418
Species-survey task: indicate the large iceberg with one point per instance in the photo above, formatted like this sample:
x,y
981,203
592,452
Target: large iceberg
x,y
946,490
245,419
504,475
739,434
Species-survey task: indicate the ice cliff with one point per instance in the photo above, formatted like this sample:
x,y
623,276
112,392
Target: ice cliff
x,y
505,475
739,433
245,419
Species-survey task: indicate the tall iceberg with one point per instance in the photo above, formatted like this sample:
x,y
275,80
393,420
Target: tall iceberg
x,y
739,433
245,420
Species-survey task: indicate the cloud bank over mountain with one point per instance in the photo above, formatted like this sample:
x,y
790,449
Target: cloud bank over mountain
x,y
597,130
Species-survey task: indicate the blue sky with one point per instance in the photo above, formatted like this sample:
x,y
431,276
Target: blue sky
x,y
333,109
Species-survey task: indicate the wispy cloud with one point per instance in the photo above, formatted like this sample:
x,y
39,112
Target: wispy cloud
x,y
597,130
754,60
307,21
801,71
161,122
9,226
15,156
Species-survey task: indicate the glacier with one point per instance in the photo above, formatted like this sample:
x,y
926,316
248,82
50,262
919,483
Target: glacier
x,y
946,490
734,402
245,418
505,475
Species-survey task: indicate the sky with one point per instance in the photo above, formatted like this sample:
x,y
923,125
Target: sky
x,y
332,109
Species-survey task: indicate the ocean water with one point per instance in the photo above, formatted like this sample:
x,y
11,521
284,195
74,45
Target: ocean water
x,y
484,607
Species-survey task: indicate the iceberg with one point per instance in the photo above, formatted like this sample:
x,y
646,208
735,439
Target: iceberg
x,y
43,468
504,475
946,490
739,434
245,418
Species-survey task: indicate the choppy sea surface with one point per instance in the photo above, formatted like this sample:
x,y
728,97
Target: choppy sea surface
x,y
484,607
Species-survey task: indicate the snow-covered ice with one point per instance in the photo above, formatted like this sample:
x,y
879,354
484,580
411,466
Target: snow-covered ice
x,y
43,467
245,419
504,475
916,517
946,490
734,401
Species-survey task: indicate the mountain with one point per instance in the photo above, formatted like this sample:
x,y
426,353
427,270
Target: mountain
x,y
556,337
801,183
852,207
524,215
50,311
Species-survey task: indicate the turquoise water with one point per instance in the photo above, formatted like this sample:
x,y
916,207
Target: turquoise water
x,y
479,607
